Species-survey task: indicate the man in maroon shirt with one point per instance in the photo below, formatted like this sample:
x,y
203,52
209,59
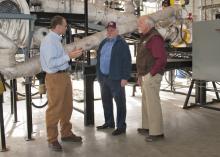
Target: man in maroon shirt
x,y
151,62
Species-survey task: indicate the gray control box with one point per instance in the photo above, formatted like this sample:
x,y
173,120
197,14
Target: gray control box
x,y
206,50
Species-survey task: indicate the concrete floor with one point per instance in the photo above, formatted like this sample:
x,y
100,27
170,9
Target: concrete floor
x,y
188,133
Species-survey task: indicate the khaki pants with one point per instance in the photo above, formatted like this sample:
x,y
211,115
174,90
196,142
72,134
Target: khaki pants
x,y
151,107
59,94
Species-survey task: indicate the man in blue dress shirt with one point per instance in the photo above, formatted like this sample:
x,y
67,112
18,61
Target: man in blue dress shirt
x,y
54,61
113,71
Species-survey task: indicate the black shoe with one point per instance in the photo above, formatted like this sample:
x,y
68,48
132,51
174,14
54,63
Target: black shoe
x,y
118,132
105,126
55,146
152,138
72,138
143,131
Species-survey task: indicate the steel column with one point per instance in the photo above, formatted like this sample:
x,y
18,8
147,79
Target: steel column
x,y
11,94
14,99
3,141
89,100
28,108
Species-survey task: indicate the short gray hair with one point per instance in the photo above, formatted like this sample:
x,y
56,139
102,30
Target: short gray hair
x,y
149,22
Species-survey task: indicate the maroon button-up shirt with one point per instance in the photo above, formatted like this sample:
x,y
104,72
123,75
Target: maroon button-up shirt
x,y
156,47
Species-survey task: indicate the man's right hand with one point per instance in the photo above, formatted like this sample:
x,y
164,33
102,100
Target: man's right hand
x,y
75,53
139,81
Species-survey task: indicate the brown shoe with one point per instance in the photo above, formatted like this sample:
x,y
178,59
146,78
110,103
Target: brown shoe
x,y
143,131
152,138
55,146
72,138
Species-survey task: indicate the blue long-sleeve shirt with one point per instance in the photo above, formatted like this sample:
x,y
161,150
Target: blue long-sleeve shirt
x,y
120,62
106,55
52,55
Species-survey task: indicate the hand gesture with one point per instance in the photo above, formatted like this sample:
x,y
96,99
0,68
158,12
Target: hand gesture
x,y
123,83
75,53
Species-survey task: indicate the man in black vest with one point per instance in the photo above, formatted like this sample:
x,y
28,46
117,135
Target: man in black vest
x,y
151,61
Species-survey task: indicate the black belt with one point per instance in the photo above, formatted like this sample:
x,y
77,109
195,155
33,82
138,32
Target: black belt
x,y
62,71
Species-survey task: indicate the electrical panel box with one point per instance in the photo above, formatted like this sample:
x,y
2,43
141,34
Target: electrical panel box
x,y
206,50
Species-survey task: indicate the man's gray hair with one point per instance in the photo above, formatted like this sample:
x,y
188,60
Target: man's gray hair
x,y
149,22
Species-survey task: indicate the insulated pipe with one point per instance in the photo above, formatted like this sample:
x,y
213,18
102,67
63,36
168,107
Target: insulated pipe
x,y
125,22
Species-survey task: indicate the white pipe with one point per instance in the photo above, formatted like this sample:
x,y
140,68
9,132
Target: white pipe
x,y
125,22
